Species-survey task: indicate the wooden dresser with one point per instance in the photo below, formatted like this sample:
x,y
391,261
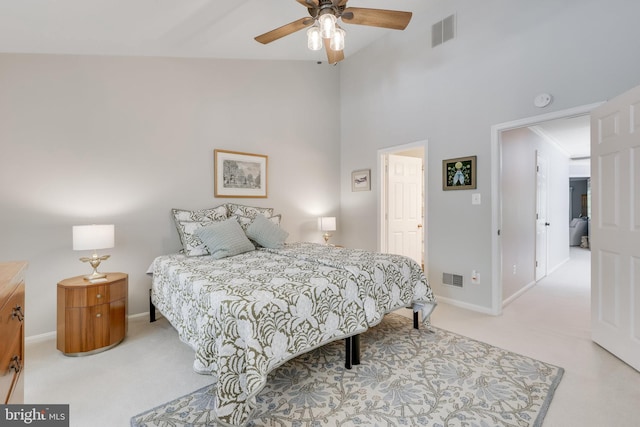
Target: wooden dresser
x,y
12,331
92,317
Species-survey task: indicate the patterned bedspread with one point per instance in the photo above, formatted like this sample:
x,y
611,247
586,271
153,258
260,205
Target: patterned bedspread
x,y
246,315
387,282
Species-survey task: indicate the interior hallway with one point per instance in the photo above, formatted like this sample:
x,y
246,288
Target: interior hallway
x,y
551,322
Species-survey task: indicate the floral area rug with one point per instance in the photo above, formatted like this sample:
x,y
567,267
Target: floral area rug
x,y
407,377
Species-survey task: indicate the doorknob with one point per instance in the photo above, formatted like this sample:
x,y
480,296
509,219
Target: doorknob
x,y
547,224
419,225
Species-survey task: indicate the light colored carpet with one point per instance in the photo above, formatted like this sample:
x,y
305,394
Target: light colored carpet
x,y
550,322
407,377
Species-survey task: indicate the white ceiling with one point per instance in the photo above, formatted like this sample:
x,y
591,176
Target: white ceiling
x,y
572,135
177,28
202,29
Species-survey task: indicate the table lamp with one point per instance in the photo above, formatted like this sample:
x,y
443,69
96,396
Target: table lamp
x,y
92,238
326,224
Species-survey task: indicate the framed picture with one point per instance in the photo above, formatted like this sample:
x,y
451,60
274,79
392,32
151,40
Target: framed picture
x,y
239,174
361,180
459,174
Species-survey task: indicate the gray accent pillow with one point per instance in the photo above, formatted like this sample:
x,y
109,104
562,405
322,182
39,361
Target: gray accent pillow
x,y
265,233
245,221
224,239
187,222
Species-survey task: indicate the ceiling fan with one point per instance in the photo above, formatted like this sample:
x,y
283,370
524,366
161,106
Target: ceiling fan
x,y
324,31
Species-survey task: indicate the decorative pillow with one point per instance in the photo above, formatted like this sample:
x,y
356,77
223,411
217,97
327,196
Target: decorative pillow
x,y
248,211
265,233
188,221
246,221
219,213
224,239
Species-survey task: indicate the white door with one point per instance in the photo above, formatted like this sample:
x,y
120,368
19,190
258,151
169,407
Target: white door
x,y
405,228
541,216
615,234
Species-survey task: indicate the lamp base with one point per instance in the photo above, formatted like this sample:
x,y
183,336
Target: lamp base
x,y
95,275
95,262
326,238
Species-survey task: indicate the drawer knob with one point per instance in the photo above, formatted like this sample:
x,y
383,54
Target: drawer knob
x,y
17,313
99,315
15,364
99,296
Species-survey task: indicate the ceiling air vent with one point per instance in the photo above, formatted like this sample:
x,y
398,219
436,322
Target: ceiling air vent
x,y
452,279
443,31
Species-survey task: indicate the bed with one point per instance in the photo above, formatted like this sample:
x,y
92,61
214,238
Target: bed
x,y
246,314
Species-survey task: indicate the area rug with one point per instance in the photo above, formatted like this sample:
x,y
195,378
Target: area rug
x,y
407,377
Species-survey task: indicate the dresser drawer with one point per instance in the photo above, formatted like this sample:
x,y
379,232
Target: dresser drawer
x,y
91,295
11,323
11,364
12,345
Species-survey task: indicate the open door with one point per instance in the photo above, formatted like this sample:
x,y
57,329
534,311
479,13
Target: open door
x,y
542,248
615,234
405,223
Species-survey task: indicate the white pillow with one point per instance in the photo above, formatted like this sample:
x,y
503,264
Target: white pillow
x,y
224,239
265,233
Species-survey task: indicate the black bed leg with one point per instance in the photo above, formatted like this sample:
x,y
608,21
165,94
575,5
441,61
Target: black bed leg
x,y
355,350
152,309
351,351
347,352
416,324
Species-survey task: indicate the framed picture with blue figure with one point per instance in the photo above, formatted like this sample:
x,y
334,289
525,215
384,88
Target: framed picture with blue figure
x,y
459,174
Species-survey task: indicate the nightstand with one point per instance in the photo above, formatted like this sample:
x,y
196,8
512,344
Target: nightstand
x,y
92,316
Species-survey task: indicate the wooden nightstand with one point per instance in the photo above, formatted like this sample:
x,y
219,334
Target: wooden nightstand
x,y
92,317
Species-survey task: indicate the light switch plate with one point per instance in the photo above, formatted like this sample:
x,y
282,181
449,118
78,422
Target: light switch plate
x,y
475,199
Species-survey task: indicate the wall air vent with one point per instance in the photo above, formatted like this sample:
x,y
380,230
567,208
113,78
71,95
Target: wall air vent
x,y
452,279
443,31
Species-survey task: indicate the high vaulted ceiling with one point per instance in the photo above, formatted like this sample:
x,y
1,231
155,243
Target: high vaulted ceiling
x,y
179,28
202,29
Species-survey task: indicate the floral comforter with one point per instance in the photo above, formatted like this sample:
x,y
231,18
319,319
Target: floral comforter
x,y
246,315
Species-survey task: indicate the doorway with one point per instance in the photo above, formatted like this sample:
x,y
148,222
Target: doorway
x,y
515,246
402,209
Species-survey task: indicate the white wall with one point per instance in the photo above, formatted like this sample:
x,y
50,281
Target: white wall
x,y
400,90
518,231
123,140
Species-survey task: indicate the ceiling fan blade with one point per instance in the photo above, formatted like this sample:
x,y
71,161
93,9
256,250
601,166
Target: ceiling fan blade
x,y
334,56
285,30
309,3
338,3
393,19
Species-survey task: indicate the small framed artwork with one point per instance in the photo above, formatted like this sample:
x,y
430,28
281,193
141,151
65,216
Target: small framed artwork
x,y
239,174
361,180
459,174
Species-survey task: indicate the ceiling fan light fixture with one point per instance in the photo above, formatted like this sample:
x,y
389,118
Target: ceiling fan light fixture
x,y
327,23
337,40
314,39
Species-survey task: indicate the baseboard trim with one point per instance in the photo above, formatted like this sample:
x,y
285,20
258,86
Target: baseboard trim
x,y
517,294
39,338
465,305
49,335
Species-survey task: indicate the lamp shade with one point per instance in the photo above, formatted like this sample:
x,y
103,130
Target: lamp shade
x,y
327,223
92,237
